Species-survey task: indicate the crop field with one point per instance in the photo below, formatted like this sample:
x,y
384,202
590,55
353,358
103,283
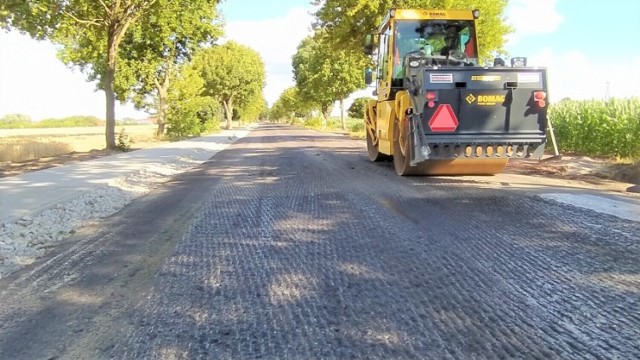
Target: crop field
x,y
599,128
27,144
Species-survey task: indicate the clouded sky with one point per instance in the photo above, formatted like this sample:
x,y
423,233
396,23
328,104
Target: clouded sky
x,y
588,47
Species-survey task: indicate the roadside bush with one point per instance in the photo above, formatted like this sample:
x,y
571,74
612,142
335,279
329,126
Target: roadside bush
x,y
333,123
297,121
124,141
356,110
210,124
314,122
598,128
356,126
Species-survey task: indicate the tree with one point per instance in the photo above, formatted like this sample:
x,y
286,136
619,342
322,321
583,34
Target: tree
x,y
325,75
232,73
347,23
15,121
189,112
357,108
289,105
253,108
180,27
89,31
295,104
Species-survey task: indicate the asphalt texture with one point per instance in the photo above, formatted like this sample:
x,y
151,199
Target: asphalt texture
x,y
291,245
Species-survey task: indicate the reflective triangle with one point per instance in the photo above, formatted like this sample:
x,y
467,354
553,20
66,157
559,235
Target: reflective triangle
x,y
444,119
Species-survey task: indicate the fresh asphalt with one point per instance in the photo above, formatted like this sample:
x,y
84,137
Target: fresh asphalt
x,y
289,244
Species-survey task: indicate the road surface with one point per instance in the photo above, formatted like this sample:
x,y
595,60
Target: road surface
x,y
291,245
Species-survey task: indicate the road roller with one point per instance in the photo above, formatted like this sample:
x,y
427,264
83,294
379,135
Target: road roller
x,y
437,111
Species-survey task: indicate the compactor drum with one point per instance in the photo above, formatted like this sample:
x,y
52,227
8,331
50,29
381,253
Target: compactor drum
x,y
437,111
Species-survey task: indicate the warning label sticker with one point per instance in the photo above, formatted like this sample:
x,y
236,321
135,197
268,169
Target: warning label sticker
x,y
528,77
441,78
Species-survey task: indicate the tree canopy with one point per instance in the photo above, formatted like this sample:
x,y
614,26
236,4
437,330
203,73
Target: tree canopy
x,y
253,108
91,33
347,22
232,73
15,121
179,28
290,105
325,75
189,112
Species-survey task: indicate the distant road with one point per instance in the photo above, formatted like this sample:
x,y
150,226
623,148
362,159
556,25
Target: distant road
x,y
94,130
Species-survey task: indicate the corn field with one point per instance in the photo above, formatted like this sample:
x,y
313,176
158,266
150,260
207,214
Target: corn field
x,y
598,128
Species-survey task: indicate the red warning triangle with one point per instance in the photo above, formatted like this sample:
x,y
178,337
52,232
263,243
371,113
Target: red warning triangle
x,y
443,120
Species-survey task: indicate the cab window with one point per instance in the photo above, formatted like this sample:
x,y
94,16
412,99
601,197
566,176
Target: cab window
x,y
436,38
383,54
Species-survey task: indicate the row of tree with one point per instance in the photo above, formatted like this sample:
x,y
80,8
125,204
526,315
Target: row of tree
x,y
161,54
329,65
323,75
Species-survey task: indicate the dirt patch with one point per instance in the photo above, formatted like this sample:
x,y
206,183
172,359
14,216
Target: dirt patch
x,y
577,168
625,172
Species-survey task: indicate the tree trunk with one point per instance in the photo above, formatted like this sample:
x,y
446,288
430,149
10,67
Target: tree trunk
x,y
344,124
161,115
163,90
228,111
110,75
326,112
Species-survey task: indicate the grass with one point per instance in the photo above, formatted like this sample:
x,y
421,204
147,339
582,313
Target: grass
x,y
18,145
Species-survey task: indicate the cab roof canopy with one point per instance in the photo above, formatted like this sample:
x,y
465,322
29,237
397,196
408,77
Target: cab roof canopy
x,y
421,14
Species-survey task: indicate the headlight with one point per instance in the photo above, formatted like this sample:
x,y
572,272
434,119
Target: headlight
x,y
414,63
519,62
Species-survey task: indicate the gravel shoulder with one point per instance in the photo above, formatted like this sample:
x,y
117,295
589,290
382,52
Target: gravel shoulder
x,y
43,208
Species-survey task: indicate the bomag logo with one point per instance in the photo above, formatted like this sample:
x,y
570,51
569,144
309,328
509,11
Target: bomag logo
x,y
490,98
470,98
485,100
437,14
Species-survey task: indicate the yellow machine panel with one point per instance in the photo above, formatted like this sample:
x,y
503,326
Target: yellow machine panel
x,y
386,117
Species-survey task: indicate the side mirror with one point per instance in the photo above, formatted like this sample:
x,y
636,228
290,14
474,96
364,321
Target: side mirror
x,y
498,62
368,76
370,44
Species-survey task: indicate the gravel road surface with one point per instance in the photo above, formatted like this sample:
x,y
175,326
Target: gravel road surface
x,y
290,245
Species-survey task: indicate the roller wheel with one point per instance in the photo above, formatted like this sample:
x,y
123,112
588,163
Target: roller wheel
x,y
401,149
373,149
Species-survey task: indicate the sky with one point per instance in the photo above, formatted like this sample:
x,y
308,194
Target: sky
x,y
587,47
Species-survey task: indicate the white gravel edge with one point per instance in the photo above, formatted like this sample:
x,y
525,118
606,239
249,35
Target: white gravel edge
x,y
31,237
